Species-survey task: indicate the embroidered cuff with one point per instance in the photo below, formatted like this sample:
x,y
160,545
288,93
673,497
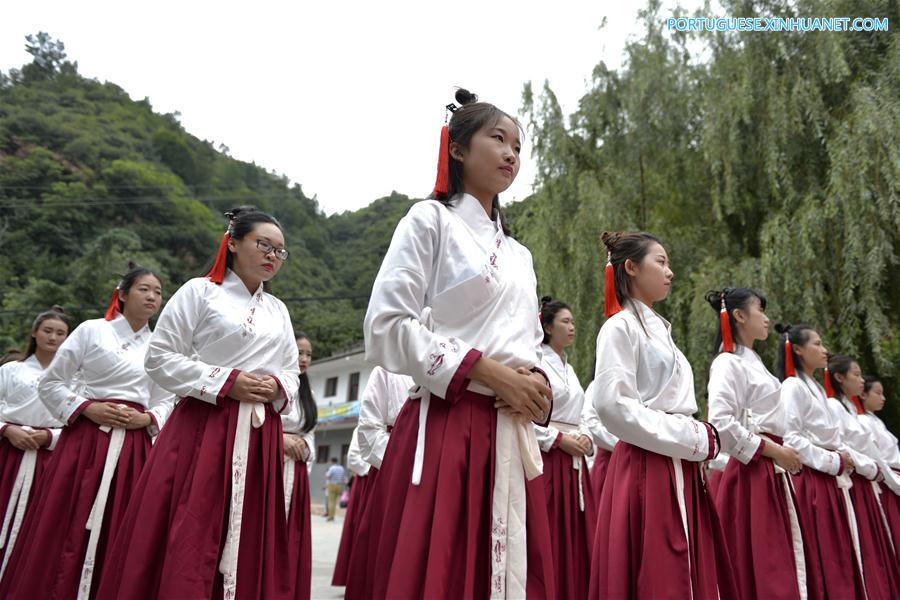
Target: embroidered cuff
x,y
77,412
226,387
713,439
461,377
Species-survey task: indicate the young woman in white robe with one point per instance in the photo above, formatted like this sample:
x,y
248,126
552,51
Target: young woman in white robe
x,y
565,442
814,428
207,519
383,397
458,472
28,431
754,499
885,450
299,425
881,570
97,386
657,532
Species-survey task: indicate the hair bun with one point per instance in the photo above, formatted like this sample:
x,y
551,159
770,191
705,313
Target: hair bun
x,y
236,212
610,239
464,96
58,308
782,328
132,265
546,300
714,298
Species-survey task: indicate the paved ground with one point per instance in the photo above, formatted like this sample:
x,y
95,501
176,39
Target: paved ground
x,y
325,539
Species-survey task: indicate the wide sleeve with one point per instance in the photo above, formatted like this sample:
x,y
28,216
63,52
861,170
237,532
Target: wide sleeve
x,y
796,404
601,436
857,442
619,405
159,407
372,432
727,383
289,376
54,391
4,394
171,361
395,337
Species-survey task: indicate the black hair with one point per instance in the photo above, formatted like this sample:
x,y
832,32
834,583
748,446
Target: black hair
x,y
839,364
798,336
735,299
549,309
470,118
869,381
128,280
334,459
304,394
241,221
54,312
622,246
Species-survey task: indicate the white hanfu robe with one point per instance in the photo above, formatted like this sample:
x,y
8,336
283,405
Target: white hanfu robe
x,y
480,288
384,396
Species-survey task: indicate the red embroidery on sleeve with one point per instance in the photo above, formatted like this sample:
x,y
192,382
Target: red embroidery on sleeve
x,y
436,361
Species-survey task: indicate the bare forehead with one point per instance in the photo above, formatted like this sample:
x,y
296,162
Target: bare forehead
x,y
508,127
148,279
270,232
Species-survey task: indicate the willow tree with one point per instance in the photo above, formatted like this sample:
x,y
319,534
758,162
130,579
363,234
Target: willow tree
x,y
762,159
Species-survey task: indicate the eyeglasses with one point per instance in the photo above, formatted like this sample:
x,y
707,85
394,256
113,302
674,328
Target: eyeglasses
x,y
267,248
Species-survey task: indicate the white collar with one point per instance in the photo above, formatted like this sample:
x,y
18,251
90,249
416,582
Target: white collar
x,y
232,282
470,210
123,328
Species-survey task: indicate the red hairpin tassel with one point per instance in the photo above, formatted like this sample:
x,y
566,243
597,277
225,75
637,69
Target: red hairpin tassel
x,y
217,273
610,300
442,182
725,322
829,388
113,308
789,370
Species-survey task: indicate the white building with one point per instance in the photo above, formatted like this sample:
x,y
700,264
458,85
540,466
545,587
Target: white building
x,y
337,383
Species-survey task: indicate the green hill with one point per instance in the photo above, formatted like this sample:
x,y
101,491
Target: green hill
x,y
90,179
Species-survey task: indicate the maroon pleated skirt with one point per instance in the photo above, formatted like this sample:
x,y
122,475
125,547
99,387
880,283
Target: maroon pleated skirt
x,y
831,568
173,533
598,474
359,493
444,548
52,544
10,459
299,534
640,550
755,517
880,566
891,504
714,479
571,528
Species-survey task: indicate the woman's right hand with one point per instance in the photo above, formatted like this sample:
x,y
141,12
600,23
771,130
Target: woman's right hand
x,y
249,388
848,462
20,438
107,414
521,392
294,445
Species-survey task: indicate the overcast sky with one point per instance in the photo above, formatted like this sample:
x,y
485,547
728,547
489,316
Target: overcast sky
x,y
344,98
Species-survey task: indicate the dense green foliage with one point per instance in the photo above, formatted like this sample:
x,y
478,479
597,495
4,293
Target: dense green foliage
x,y
773,162
90,179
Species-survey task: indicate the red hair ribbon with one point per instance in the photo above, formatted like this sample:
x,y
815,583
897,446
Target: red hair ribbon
x,y
829,387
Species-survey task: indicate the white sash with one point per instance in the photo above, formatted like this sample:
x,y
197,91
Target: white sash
x,y
288,485
95,519
249,415
18,502
577,461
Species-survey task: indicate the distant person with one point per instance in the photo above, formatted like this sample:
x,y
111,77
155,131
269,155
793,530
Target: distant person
x,y
299,454
335,480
